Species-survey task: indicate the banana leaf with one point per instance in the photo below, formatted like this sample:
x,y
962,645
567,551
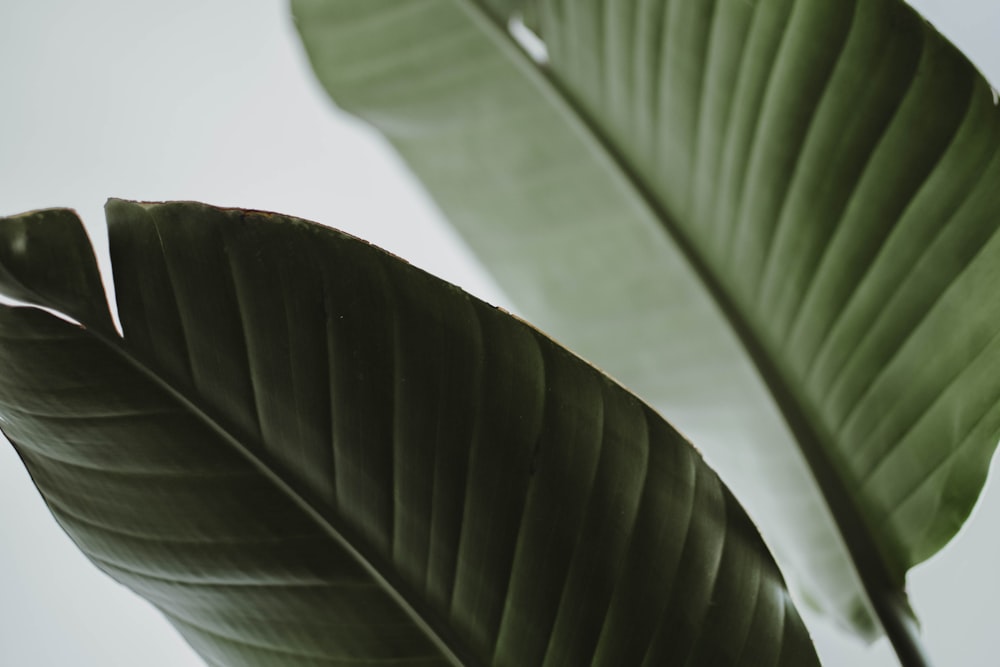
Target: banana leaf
x,y
773,220
304,451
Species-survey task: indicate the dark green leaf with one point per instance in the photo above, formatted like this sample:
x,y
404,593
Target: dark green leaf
x,y
306,452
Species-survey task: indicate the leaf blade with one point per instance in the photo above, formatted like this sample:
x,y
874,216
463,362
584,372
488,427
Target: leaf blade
x,y
336,573
726,124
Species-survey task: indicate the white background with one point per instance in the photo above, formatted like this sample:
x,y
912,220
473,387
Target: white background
x,y
212,100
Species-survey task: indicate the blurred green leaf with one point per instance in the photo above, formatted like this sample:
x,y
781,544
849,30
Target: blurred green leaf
x,y
752,213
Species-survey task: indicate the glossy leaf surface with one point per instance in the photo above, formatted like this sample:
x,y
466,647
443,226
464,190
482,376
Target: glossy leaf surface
x,y
306,452
813,179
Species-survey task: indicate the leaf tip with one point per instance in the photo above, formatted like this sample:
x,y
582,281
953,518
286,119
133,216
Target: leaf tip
x,y
46,260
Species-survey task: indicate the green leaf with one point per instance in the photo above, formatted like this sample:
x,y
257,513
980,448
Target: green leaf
x,y
754,214
305,451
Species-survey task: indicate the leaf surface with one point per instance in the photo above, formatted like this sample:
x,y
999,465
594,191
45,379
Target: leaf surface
x,y
753,213
306,452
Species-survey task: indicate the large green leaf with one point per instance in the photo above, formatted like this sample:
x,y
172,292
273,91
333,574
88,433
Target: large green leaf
x,y
689,189
305,451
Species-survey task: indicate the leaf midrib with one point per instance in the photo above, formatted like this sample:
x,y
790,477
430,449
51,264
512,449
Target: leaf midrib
x,y
883,590
452,649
